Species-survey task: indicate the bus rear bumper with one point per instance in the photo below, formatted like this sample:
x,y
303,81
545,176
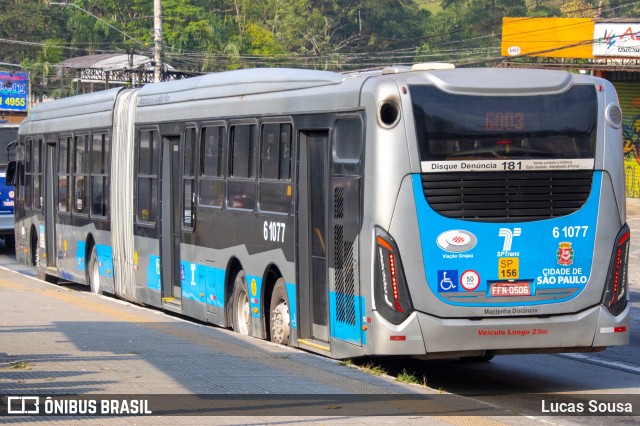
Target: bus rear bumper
x,y
422,334
592,328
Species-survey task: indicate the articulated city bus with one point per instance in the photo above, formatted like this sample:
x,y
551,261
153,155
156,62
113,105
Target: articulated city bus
x,y
406,211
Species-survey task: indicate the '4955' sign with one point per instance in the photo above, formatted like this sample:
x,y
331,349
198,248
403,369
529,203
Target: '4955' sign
x,y
14,88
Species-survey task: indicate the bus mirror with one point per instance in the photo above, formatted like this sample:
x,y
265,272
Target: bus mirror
x,y
11,173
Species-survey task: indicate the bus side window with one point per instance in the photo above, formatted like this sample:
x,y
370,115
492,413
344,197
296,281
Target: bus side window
x,y
80,174
100,165
64,181
36,177
275,168
28,192
347,140
211,166
147,176
189,178
241,189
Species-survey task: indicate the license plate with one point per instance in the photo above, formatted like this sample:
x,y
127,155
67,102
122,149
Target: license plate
x,y
510,288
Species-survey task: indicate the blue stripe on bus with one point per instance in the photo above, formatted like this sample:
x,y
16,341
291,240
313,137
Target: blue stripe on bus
x,y
254,285
345,330
105,260
80,252
214,285
193,281
205,284
536,246
153,273
293,313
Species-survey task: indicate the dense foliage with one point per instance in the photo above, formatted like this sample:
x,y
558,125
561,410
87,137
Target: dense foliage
x,y
212,35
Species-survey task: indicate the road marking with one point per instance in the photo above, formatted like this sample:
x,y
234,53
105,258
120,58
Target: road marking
x,y
597,361
469,420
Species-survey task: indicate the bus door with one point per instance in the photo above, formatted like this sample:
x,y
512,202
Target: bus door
x,y
170,220
312,235
345,220
50,188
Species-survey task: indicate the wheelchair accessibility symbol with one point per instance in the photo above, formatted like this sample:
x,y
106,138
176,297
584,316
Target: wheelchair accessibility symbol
x,y
447,280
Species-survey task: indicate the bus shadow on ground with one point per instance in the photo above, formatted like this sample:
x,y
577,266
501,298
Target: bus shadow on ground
x,y
182,357
49,373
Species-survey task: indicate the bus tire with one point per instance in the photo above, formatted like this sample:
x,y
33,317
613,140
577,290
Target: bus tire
x,y
93,272
33,253
241,309
280,322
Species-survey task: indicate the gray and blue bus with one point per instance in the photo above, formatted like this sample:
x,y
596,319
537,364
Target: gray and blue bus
x,y
414,210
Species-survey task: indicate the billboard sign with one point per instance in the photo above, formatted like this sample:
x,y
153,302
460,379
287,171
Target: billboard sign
x,y
616,40
569,38
14,89
548,37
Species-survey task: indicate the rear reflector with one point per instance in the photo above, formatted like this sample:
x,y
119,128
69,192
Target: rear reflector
x,y
620,329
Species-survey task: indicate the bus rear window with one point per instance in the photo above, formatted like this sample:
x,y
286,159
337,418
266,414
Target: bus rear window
x,y
471,127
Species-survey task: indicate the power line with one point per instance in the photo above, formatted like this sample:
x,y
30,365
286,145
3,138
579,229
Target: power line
x,y
99,19
196,59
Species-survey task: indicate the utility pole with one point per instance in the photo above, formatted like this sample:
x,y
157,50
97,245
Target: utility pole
x,y
157,40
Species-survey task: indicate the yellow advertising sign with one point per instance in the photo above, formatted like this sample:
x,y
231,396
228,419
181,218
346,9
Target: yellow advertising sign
x,y
551,37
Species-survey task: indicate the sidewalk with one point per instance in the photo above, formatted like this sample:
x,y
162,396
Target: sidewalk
x,y
56,340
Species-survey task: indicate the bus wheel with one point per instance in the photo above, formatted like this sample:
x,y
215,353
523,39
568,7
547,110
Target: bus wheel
x,y
34,254
94,274
280,321
241,307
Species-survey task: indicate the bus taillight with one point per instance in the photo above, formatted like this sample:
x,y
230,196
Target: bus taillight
x,y
391,293
615,292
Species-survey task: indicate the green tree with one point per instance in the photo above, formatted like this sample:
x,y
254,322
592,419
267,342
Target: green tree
x,y
23,25
42,69
470,29
578,9
104,25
